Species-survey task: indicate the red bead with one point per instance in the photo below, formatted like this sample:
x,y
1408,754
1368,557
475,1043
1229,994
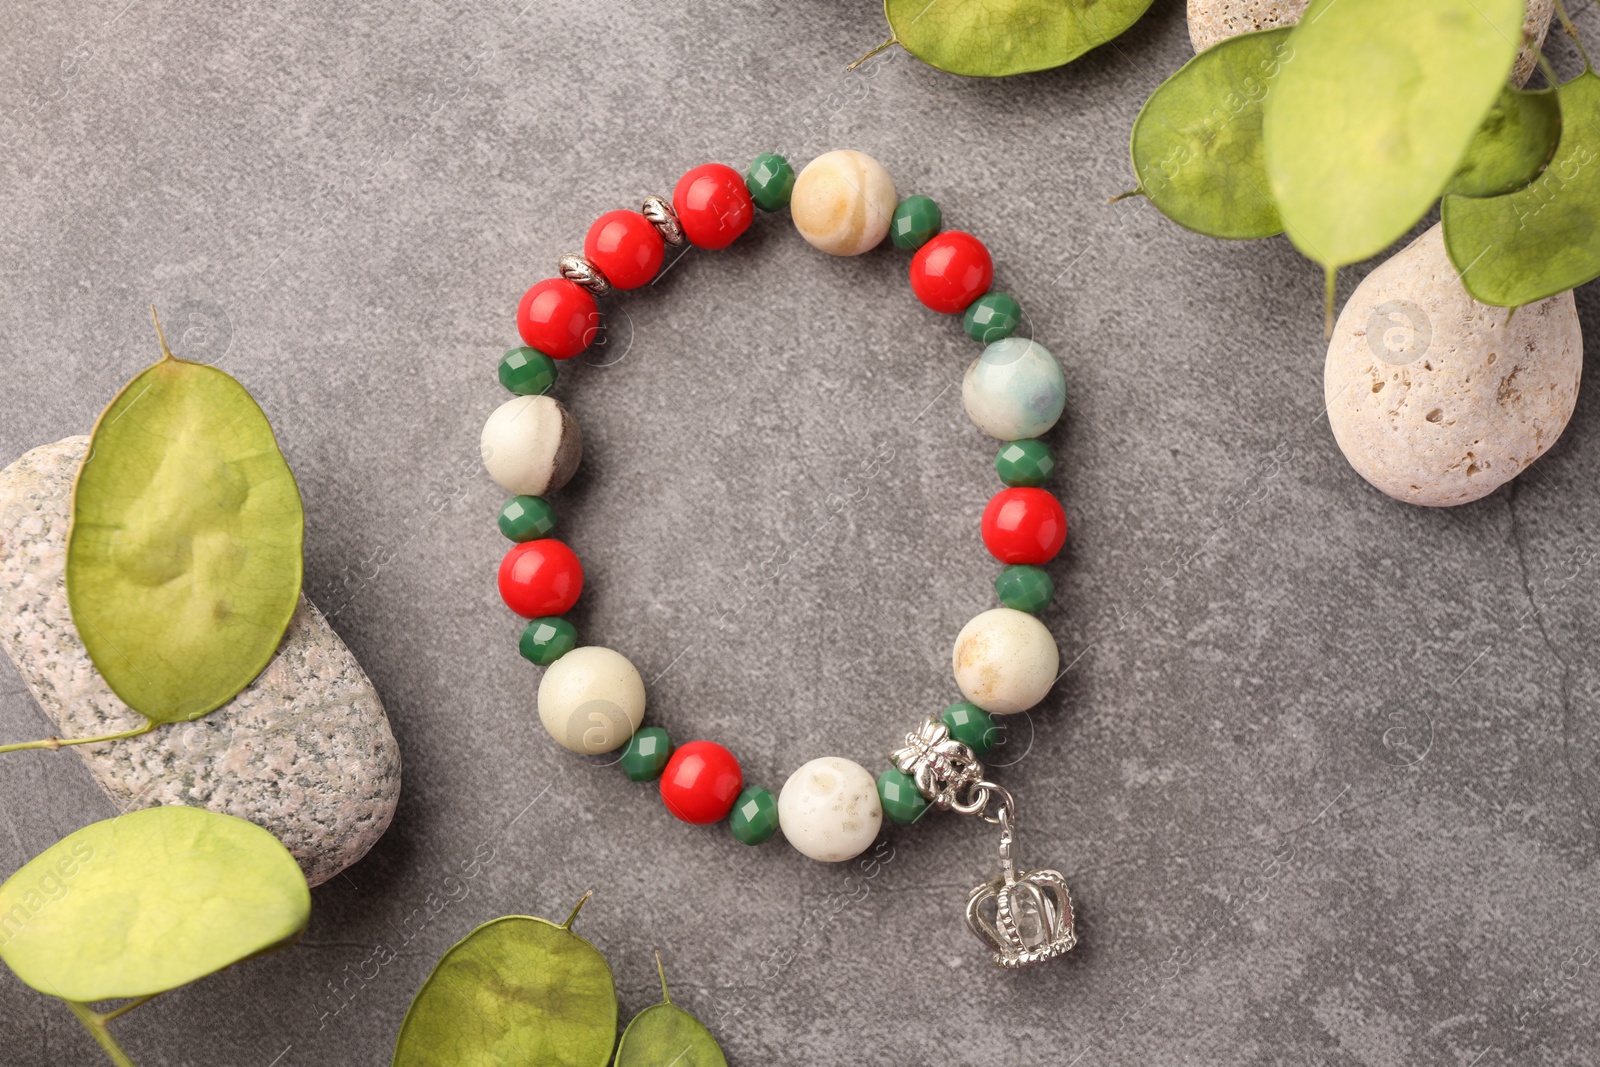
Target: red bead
x,y
701,782
626,247
951,271
540,578
713,204
557,317
1024,526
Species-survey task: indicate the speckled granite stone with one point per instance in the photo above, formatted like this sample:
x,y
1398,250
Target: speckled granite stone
x,y
305,750
1211,21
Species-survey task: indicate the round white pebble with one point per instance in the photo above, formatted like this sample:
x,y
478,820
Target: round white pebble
x,y
829,809
1015,390
591,700
843,202
1437,399
531,445
1005,661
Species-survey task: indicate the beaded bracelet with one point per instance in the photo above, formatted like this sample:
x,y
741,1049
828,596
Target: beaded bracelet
x,y
592,699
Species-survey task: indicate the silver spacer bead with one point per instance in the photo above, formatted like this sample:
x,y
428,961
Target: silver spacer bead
x,y
663,218
580,270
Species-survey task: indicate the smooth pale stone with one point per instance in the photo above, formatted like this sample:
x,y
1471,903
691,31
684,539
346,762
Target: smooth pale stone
x,y
304,751
591,700
531,445
843,202
829,809
1005,661
1015,390
1433,397
1211,21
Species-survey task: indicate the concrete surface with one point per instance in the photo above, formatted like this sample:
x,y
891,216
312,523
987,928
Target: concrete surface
x,y
1323,770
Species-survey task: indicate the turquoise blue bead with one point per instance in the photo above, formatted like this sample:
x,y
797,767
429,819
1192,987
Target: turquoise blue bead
x,y
991,317
527,371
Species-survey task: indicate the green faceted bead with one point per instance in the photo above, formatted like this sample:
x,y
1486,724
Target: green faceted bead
x,y
755,816
972,726
991,317
1025,588
915,222
646,754
527,518
1024,463
527,371
902,800
546,640
770,180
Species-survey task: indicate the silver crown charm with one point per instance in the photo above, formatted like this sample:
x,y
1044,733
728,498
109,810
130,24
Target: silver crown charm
x,y
1022,917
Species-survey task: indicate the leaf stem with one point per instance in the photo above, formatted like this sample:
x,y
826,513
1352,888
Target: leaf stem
x,y
666,998
117,1013
1572,31
890,43
62,742
1330,290
579,907
1136,191
95,1023
166,353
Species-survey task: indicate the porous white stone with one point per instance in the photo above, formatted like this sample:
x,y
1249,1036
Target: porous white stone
x,y
1211,21
1437,399
843,202
304,751
1005,661
828,809
591,700
531,445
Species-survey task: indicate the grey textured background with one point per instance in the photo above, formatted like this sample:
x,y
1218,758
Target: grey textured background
x,y
1323,772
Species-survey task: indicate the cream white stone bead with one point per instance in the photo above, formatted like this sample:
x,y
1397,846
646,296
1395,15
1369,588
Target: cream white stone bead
x,y
531,445
829,810
591,700
1005,661
843,202
1015,390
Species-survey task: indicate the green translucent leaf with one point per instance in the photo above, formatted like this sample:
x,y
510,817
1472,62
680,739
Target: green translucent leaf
x,y
1197,141
991,38
147,902
184,556
515,990
1371,117
1544,238
1517,139
664,1034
